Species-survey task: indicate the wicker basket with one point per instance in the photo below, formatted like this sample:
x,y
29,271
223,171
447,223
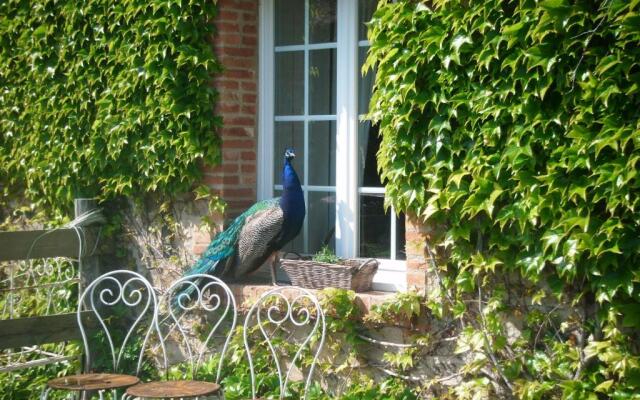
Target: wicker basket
x,y
354,274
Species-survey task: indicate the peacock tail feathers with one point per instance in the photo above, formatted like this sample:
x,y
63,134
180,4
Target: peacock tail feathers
x,y
224,244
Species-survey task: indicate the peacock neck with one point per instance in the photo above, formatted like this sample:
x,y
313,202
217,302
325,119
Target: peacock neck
x,y
292,199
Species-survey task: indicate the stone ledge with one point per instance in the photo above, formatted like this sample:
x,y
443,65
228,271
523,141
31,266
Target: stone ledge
x,y
246,294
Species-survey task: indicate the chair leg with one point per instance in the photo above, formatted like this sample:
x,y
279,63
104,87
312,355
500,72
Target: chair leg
x,y
45,393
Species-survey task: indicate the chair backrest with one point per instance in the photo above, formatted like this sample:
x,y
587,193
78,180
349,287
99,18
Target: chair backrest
x,y
122,301
293,306
202,296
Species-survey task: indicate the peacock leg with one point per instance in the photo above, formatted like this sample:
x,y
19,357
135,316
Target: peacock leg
x,y
274,260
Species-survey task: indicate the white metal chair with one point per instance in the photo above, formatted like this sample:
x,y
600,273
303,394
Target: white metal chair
x,y
202,296
128,296
277,311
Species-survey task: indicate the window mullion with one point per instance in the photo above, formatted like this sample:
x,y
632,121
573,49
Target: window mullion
x,y
266,103
306,122
347,125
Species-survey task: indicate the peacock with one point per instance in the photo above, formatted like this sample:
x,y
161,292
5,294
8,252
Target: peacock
x,y
258,233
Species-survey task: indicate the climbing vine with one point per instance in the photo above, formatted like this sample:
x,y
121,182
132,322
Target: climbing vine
x,y
512,128
105,99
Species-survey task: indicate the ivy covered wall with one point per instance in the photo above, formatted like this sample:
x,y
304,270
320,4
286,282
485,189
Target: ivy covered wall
x,y
513,127
101,98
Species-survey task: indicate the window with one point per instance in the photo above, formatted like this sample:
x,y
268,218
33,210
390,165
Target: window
x,y
312,97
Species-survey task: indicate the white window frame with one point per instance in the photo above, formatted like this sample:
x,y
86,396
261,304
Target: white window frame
x,y
391,274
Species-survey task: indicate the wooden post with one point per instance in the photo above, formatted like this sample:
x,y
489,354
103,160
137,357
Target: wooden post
x,y
89,261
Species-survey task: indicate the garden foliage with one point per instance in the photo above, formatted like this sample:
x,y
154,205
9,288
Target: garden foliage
x,y
102,98
514,127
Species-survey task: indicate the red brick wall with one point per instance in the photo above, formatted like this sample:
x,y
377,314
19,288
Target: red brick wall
x,y
236,46
420,276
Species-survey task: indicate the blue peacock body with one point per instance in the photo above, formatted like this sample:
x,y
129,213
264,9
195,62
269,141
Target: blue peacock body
x,y
258,232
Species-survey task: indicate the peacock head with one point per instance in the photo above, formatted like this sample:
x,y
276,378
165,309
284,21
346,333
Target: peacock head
x,y
289,154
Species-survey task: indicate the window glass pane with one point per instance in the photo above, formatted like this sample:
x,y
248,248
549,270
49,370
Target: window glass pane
x,y
401,251
375,227
321,217
288,135
289,22
322,153
368,145
365,83
366,8
322,21
289,83
322,82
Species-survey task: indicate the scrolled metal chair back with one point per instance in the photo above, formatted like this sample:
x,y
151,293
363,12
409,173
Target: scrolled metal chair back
x,y
210,297
286,305
127,293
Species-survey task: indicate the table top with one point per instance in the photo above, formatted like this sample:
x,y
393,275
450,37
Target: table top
x,y
173,389
92,381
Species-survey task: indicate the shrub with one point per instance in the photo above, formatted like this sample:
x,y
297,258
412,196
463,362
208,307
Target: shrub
x,y
103,99
514,126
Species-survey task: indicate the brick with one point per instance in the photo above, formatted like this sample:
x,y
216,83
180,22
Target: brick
x,y
242,121
234,131
251,29
228,27
230,156
411,226
251,86
238,193
227,108
237,207
248,155
416,280
246,5
228,39
227,15
413,235
238,144
240,51
249,40
225,84
417,265
223,168
415,247
222,180
239,74
248,168
249,109
247,179
237,62
249,98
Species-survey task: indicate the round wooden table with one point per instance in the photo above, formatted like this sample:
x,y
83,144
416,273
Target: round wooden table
x,y
97,381
173,389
